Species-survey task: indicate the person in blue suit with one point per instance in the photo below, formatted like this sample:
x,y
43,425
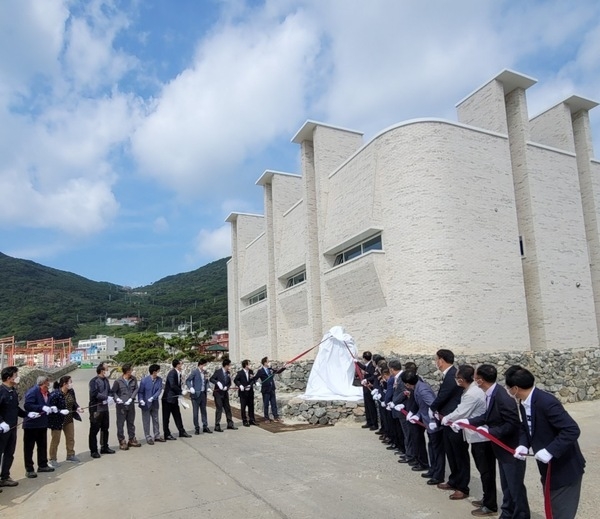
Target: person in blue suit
x,y
197,383
266,375
552,434
149,392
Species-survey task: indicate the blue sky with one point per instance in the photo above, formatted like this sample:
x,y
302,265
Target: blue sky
x,y
130,129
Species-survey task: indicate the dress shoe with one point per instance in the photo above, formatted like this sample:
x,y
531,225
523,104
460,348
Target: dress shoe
x,y
373,428
483,511
390,447
218,428
30,474
366,426
246,424
171,437
252,422
433,482
8,482
232,427
95,455
106,450
478,503
379,431
427,475
160,439
123,445
444,486
45,469
197,431
457,494
404,460
420,468
150,441
134,443
387,441
183,434
413,463
206,430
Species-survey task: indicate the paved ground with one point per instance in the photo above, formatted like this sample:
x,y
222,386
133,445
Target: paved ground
x,y
331,472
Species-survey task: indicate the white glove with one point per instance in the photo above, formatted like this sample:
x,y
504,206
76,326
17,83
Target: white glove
x,y
79,410
414,418
220,386
150,400
375,392
433,426
399,407
431,415
4,427
241,388
64,412
437,416
377,397
456,424
105,402
142,403
543,455
118,400
33,414
46,409
53,409
382,404
390,406
192,390
521,452
445,420
111,400
225,388
128,401
184,392
364,382
409,415
483,428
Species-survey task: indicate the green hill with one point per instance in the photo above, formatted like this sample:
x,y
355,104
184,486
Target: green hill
x,y
38,301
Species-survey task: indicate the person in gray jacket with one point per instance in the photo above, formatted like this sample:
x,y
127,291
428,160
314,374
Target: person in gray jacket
x,y
125,389
197,382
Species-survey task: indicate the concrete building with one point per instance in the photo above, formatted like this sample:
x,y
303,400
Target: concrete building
x,y
479,235
101,347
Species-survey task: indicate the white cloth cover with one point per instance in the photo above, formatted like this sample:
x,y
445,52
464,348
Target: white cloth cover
x,y
333,370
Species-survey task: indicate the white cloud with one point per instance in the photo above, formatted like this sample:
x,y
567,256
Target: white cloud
x,y
213,244
160,225
245,88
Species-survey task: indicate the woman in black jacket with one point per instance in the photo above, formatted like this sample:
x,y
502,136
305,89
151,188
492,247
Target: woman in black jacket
x,y
63,397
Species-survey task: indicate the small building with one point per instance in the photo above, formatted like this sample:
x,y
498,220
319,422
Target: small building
x,y
101,347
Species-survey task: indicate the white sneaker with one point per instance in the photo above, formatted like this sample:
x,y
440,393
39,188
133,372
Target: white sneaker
x,y
73,459
53,463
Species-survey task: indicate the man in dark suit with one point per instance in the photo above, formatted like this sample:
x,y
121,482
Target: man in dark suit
x,y
246,393
170,401
101,397
501,419
222,381
10,412
266,375
400,399
552,435
368,383
454,444
197,382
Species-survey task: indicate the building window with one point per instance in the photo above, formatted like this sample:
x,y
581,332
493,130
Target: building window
x,y
521,246
296,279
355,251
257,297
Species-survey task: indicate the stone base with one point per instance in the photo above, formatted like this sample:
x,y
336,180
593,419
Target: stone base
x,y
323,412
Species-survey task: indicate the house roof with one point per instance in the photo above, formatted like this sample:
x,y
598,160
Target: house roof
x,y
217,347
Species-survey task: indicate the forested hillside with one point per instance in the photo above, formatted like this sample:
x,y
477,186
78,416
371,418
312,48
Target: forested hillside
x,y
38,301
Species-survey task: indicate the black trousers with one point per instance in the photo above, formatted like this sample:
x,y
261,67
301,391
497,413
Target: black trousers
x,y
565,500
514,493
8,444
168,409
485,461
397,433
457,452
409,449
370,409
32,438
247,406
437,457
420,448
99,422
222,404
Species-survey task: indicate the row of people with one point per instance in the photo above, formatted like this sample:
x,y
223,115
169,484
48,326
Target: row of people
x,y
469,406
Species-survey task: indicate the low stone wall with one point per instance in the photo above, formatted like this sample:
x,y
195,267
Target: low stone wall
x,y
28,376
571,375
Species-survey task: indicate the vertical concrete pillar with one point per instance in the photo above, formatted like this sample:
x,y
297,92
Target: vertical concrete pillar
x,y
271,273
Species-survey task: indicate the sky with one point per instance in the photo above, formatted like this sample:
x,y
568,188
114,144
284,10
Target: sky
x,y
130,129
